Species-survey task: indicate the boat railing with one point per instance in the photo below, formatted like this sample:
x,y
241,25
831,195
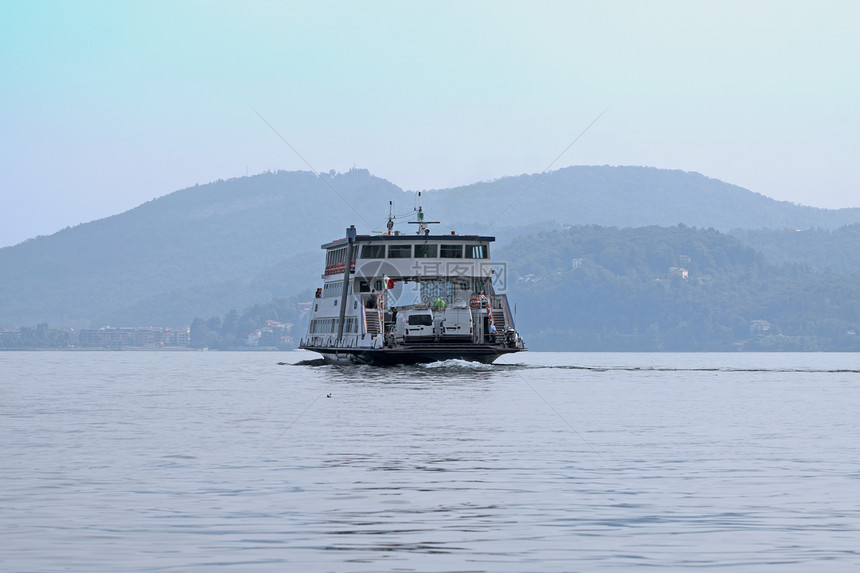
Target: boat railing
x,y
363,318
378,310
500,302
338,268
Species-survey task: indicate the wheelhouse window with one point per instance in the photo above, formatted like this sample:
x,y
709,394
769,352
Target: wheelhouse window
x,y
373,251
451,251
335,256
399,251
426,251
476,251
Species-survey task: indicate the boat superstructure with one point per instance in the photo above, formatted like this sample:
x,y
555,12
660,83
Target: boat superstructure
x,y
400,298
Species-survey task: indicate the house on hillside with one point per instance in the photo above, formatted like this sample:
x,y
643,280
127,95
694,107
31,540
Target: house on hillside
x,y
760,327
530,278
273,334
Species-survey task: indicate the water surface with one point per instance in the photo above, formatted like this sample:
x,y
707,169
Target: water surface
x,y
187,461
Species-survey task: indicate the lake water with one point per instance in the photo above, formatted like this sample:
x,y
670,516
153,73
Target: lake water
x,y
199,461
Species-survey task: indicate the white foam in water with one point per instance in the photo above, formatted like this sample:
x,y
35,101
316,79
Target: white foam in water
x,y
457,363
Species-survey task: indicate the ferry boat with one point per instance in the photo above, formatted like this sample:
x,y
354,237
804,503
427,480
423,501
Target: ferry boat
x,y
397,298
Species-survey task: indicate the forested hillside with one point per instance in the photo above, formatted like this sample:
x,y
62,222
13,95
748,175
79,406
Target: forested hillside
x,y
594,288
679,288
822,249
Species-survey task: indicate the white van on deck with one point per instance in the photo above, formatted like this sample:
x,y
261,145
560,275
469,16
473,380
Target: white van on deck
x,y
414,325
456,325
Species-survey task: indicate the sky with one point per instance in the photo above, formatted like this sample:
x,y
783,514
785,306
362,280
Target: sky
x,y
105,105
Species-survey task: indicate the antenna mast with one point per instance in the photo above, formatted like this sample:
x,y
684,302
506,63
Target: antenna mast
x,y
423,229
390,224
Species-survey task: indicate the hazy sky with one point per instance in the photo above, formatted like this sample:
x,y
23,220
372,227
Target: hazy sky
x,y
105,105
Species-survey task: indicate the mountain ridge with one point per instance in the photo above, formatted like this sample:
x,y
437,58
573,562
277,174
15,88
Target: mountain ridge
x,y
661,197
229,231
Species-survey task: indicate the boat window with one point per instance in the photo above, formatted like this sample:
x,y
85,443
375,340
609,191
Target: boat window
x,y
324,326
335,256
420,320
476,251
425,251
451,251
373,251
399,251
334,289
363,286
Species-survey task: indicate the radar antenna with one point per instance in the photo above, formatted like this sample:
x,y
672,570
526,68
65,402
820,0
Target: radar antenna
x,y
423,229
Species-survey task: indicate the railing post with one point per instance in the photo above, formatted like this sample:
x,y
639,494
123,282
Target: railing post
x,y
347,267
379,310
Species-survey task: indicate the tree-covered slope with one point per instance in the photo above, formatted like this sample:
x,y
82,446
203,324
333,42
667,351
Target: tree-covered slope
x,y
822,249
604,288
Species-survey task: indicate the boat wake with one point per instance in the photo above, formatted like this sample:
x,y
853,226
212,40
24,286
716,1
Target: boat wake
x,y
685,369
457,365
467,365
476,366
442,365
311,362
